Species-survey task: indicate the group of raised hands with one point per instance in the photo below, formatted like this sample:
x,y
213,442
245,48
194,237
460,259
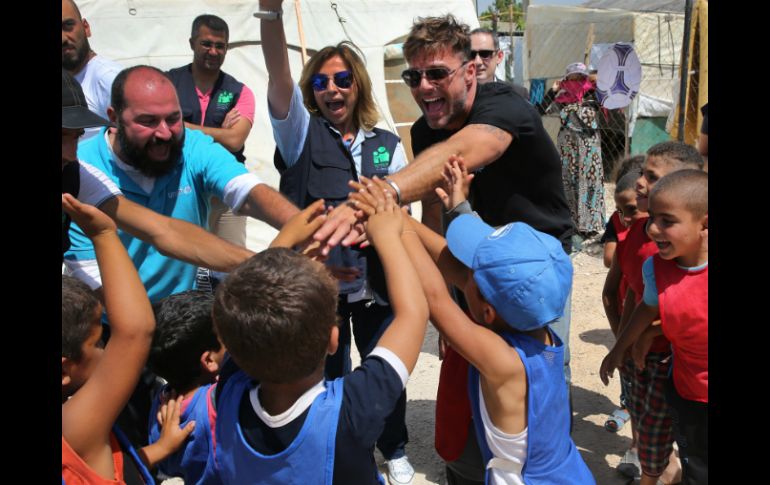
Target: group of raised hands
x,y
360,219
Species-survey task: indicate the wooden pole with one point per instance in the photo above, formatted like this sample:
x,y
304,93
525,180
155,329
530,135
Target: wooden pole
x,y
301,30
589,43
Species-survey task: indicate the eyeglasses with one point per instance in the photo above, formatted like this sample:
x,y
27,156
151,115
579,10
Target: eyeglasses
x,y
207,44
342,79
484,54
412,77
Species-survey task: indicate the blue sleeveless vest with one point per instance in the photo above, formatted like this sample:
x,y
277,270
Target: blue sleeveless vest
x,y
194,461
128,449
308,460
224,97
322,171
552,458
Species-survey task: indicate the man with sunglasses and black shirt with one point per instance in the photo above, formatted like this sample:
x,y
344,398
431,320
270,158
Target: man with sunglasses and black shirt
x,y
217,104
517,178
486,53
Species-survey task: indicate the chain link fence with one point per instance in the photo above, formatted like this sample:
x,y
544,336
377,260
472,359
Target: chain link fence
x,y
557,36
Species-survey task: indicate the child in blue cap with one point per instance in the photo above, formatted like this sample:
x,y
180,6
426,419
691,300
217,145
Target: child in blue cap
x,y
516,280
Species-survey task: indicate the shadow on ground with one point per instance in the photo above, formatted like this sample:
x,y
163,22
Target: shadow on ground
x,y
595,442
599,336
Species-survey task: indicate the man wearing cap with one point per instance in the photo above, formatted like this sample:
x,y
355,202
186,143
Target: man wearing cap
x,y
486,54
95,73
217,104
174,237
158,163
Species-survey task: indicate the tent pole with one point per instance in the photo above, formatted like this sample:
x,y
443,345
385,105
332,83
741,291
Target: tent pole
x,y
685,69
301,30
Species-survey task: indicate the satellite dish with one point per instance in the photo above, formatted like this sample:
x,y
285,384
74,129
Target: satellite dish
x,y
619,76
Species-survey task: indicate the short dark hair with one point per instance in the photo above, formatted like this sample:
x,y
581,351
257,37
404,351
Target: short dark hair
x,y
431,35
183,332
627,182
118,92
78,305
677,152
217,24
484,30
688,186
274,314
77,10
630,164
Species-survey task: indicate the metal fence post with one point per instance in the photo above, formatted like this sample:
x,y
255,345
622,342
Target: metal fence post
x,y
685,68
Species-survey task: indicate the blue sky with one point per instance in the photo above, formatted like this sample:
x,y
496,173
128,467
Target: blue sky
x,y
483,4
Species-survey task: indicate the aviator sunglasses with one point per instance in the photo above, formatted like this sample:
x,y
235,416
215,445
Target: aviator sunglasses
x,y
412,77
484,54
342,79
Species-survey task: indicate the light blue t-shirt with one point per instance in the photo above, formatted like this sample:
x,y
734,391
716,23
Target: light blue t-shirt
x,y
650,286
204,170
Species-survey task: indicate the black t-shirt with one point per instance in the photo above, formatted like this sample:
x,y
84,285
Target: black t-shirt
x,y
525,183
610,234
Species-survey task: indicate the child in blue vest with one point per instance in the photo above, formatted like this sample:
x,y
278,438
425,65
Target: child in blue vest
x,y
97,380
676,287
185,352
515,280
278,420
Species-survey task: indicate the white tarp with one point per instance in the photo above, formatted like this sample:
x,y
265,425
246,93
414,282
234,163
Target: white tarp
x,y
559,35
156,32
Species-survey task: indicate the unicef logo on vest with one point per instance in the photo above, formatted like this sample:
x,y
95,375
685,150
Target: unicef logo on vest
x,y
183,191
381,158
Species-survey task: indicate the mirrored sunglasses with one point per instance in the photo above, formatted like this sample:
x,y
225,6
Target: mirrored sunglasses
x,y
342,79
412,77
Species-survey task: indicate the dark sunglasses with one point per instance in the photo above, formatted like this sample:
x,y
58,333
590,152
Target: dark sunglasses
x,y
412,77
342,79
207,44
484,54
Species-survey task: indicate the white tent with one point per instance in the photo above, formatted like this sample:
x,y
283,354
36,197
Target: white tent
x,y
155,32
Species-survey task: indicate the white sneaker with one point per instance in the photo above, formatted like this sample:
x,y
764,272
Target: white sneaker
x,y
400,471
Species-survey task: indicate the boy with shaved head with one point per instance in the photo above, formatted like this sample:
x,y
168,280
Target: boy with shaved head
x,y
647,404
676,287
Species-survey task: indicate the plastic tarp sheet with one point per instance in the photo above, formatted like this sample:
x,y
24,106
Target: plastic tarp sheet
x,y
558,35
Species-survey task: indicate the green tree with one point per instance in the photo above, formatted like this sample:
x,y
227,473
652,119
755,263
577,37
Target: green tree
x,y
504,11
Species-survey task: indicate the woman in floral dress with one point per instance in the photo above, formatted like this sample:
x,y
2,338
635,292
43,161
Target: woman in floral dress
x,y
581,150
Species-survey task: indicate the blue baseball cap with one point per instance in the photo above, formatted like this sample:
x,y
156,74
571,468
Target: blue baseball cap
x,y
523,273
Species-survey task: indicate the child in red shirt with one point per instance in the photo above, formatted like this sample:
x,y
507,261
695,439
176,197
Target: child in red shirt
x,y
615,285
676,287
647,404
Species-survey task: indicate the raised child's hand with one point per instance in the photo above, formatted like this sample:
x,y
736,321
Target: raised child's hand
x,y
298,230
387,220
91,220
171,435
456,183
